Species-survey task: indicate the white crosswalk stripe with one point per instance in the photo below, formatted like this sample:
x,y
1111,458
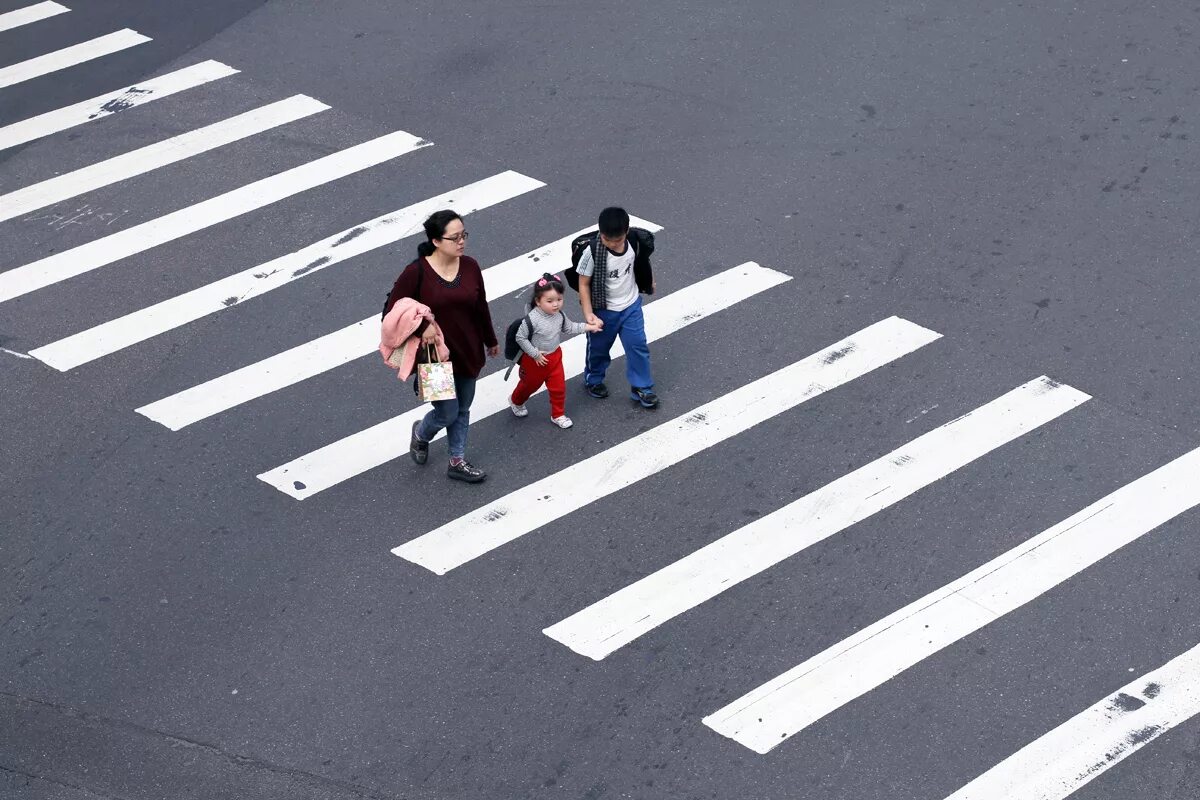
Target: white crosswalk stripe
x,y
334,349
112,103
618,619
160,154
138,239
799,697
379,444
34,13
1086,746
70,56
541,502
153,320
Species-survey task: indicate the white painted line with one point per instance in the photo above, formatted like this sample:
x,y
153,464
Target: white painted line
x,y
70,56
379,444
150,321
620,618
1096,740
334,349
14,353
115,102
804,694
159,154
28,14
541,502
123,244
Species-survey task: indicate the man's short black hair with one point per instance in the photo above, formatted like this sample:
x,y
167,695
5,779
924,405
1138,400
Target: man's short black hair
x,y
614,222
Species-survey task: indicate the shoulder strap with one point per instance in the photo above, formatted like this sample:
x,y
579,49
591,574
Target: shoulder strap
x,y
563,327
528,327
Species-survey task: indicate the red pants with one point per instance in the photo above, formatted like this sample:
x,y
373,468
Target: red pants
x,y
533,376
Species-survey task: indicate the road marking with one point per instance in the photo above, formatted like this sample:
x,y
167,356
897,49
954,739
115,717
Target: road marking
x,y
620,618
334,349
28,14
14,353
138,239
71,56
112,103
804,694
159,154
1089,744
379,444
541,502
145,323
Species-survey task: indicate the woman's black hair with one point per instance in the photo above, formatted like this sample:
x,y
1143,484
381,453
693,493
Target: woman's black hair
x,y
435,228
543,285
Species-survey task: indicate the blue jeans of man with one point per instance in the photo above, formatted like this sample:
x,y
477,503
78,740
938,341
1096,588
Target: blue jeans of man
x,y
630,325
453,415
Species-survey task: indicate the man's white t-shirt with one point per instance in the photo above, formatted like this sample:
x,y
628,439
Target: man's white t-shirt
x,y
621,289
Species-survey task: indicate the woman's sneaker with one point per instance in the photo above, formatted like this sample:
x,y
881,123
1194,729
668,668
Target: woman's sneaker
x,y
518,411
563,422
646,397
416,448
463,471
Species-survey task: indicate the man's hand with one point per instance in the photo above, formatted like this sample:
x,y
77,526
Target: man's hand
x,y
594,327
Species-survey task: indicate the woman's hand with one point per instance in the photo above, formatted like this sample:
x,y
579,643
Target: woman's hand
x,y
429,336
493,351
540,360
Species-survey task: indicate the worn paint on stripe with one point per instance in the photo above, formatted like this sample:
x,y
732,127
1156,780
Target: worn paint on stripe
x,y
1091,743
650,453
620,618
185,221
112,103
71,56
34,13
806,693
151,321
379,444
334,349
159,154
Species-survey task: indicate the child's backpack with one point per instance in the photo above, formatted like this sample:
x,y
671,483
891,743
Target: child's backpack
x,y
639,238
512,350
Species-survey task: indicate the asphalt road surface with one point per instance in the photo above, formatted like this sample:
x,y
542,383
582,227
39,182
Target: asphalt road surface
x,y
914,520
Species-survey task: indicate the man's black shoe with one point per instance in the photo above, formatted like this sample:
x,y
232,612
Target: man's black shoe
x,y
597,390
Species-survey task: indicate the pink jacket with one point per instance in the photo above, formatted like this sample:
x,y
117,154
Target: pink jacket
x,y
398,342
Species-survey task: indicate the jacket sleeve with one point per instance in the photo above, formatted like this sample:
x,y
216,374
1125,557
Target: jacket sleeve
x,y
572,328
483,313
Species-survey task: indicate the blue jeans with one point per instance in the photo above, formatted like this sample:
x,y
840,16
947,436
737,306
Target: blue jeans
x,y
453,415
630,325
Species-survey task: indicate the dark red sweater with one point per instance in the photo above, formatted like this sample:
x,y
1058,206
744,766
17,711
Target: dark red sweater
x,y
460,309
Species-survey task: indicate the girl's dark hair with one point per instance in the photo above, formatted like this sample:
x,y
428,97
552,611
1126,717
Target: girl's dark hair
x,y
435,228
543,285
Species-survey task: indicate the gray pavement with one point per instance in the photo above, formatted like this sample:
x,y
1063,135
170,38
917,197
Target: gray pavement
x,y
1018,178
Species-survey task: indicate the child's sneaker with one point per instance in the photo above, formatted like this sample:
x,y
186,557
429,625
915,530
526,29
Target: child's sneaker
x,y
563,422
646,397
518,411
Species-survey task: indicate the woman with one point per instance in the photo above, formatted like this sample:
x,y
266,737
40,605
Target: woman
x,y
451,284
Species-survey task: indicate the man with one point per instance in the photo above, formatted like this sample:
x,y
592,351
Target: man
x,y
612,271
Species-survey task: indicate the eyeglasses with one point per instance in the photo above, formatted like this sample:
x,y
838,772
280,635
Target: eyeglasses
x,y
462,237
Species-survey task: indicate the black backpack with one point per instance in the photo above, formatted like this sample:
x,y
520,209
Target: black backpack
x,y
512,350
639,239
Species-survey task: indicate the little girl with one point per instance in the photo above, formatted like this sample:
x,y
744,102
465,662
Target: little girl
x,y
541,361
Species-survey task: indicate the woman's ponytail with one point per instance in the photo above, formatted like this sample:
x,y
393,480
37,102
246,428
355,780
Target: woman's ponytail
x,y
425,249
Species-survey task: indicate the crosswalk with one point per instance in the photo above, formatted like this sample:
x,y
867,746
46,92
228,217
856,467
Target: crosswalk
x,y
1053,765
